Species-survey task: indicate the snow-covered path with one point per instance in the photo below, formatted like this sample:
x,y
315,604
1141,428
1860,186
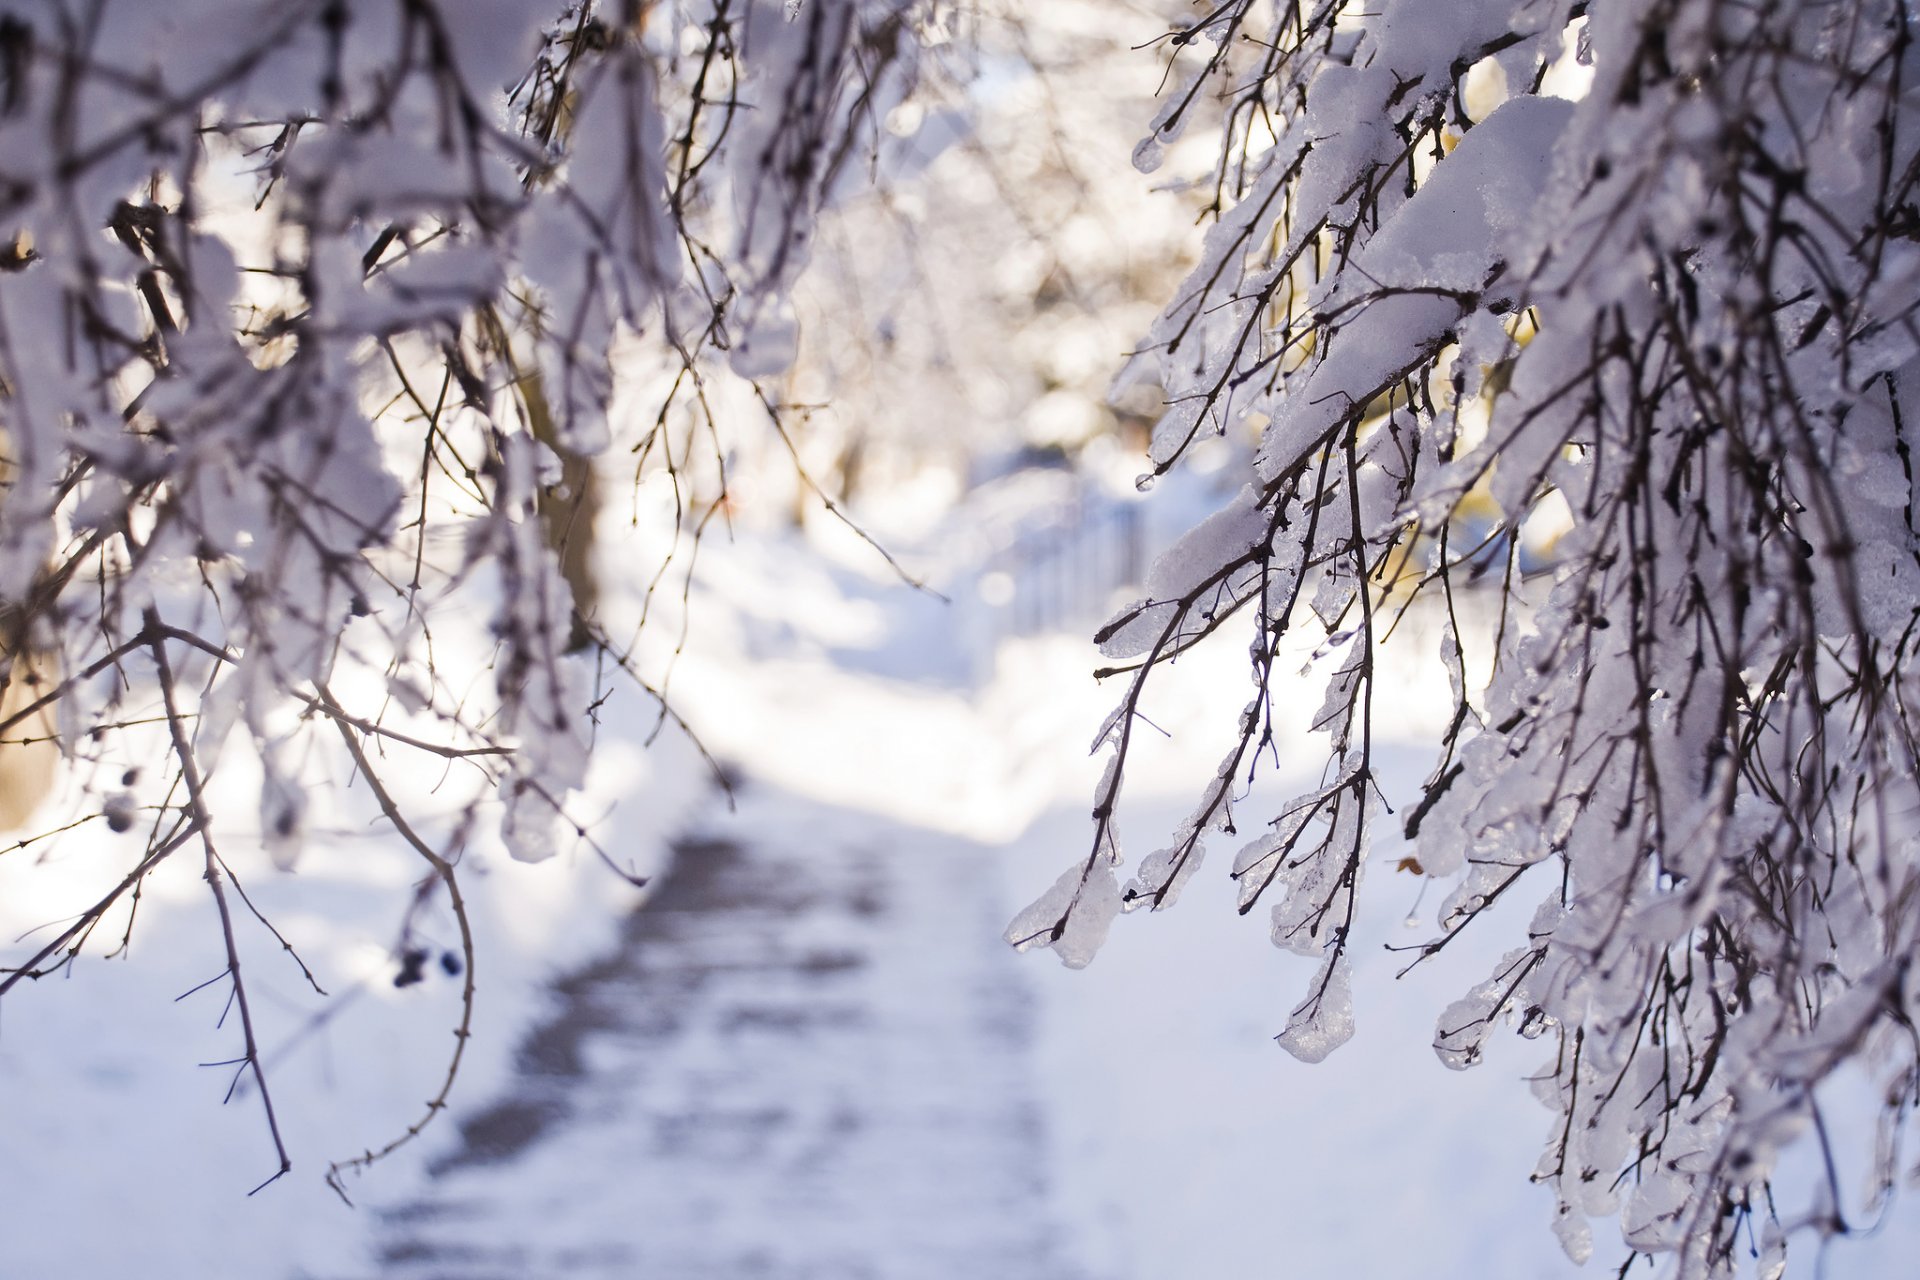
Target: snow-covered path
x,y
814,1049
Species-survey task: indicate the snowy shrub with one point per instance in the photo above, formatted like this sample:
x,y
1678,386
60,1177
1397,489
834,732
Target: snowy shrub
x,y
1645,271
314,317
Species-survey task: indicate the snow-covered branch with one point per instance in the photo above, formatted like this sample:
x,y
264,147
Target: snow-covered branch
x,y
314,320
1639,279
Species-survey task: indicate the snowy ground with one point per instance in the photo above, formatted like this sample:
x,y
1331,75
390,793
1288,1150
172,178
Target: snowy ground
x,y
808,1054
799,1063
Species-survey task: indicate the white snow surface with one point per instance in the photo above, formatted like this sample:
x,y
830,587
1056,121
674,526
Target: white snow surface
x,y
809,1054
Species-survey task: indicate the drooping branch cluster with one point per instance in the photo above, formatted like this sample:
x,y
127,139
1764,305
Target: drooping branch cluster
x,y
313,321
1644,275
